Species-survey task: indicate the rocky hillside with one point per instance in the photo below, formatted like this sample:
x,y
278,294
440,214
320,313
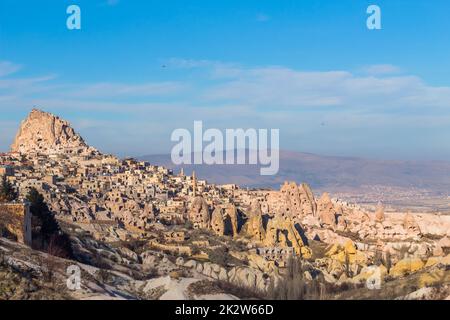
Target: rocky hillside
x,y
138,231
106,273
46,133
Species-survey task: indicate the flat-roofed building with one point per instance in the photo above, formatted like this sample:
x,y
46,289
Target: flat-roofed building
x,y
15,221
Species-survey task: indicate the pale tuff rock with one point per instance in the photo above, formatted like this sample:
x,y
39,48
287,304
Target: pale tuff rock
x,y
260,262
199,213
178,289
249,277
75,209
243,276
425,293
379,213
217,223
308,200
254,228
442,245
299,200
367,272
312,222
341,221
435,225
232,214
292,201
438,251
347,253
43,132
255,208
327,236
281,232
132,213
410,224
224,220
327,213
407,249
380,245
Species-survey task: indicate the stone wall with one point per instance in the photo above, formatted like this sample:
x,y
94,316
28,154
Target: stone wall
x,y
6,170
16,219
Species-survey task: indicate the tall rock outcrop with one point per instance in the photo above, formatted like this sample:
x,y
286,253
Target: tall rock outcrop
x,y
379,213
327,213
293,201
410,223
199,213
282,233
43,132
231,215
217,223
254,227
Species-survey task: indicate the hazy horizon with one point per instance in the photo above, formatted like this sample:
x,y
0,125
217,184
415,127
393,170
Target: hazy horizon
x,y
167,152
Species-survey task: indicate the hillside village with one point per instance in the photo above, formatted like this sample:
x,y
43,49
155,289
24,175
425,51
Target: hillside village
x,y
140,231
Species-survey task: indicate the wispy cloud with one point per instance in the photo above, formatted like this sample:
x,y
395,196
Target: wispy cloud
x,y
381,69
24,83
7,68
114,90
278,87
382,104
266,88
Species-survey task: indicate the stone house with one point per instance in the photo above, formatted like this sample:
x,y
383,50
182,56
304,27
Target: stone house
x,y
15,219
174,236
6,170
280,256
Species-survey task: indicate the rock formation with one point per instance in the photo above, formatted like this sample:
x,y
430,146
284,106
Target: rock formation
x,y
231,216
199,213
292,201
410,224
217,223
379,213
281,232
309,205
326,211
298,200
347,253
254,228
406,266
43,132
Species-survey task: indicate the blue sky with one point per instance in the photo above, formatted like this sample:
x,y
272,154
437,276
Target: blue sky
x,y
140,69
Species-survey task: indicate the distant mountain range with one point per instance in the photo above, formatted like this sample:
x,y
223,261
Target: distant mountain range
x,y
326,172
